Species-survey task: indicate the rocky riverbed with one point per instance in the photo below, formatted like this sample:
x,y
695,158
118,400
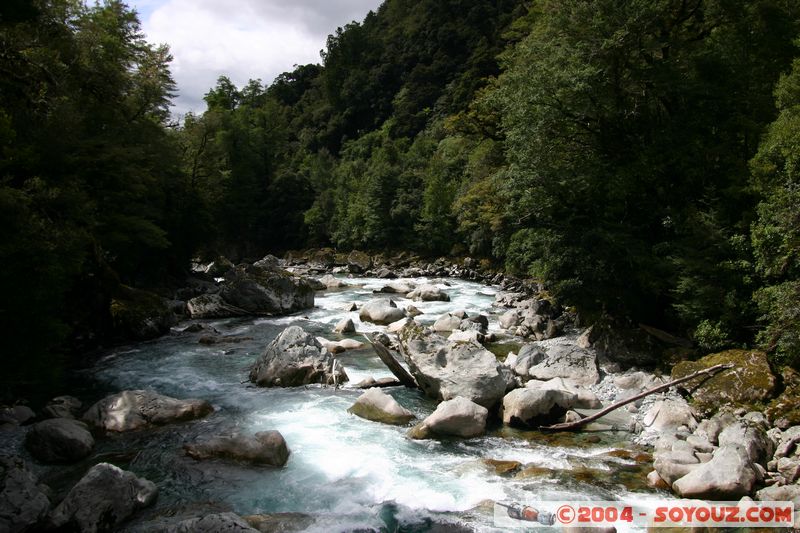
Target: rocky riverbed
x,y
244,421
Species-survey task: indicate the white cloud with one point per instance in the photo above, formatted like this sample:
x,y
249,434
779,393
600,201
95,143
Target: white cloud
x,y
241,39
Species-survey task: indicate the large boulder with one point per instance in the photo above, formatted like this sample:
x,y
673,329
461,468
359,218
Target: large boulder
x,y
358,262
104,498
59,440
381,311
752,437
23,505
749,383
668,416
532,408
429,293
211,306
17,415
62,407
728,476
445,369
398,287
562,361
447,322
296,358
264,448
458,417
212,523
140,315
378,406
137,409
584,398
510,319
345,325
332,282
266,292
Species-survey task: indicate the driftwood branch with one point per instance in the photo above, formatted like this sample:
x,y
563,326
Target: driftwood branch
x,y
391,363
613,407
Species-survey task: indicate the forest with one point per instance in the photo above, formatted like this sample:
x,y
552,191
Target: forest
x,y
641,159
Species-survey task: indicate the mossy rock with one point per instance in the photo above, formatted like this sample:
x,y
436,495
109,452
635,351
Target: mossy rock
x,y
784,411
140,315
748,384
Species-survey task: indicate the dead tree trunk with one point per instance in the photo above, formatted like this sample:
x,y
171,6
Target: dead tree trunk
x,y
392,364
613,407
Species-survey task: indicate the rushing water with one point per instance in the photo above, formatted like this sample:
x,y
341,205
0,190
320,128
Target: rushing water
x,y
345,471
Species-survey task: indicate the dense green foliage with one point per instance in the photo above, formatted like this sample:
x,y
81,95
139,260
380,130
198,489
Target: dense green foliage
x,y
630,155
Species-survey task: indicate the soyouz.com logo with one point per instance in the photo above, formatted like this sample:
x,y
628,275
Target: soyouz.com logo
x,y
667,513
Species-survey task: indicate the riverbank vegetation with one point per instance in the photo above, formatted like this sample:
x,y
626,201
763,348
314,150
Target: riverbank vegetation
x,y
638,158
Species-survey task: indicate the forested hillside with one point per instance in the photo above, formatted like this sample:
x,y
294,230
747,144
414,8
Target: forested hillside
x,y
639,158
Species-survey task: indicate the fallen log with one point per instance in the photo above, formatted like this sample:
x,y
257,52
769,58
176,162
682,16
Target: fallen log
x,y
566,426
392,364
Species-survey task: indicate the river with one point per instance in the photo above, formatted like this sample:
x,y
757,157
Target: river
x,y
347,472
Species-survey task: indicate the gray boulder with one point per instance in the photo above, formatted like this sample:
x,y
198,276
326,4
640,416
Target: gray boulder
x,y
510,319
562,361
345,325
358,262
429,293
381,311
378,406
398,287
668,416
332,282
211,306
532,408
584,398
266,292
729,475
264,448
447,322
23,505
296,358
213,523
783,493
62,407
751,437
17,415
711,428
104,498
445,370
137,409
458,417
59,440
268,262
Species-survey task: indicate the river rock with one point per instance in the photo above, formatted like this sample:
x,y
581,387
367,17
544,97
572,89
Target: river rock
x,y
412,311
257,291
17,415
668,416
345,325
264,448
446,323
395,327
466,337
381,311
104,498
584,398
510,319
59,440
673,465
281,522
378,406
218,267
213,523
332,282
445,370
140,315
728,476
268,262
358,262
458,417
211,306
429,293
751,437
710,428
293,359
784,411
398,287
23,505
562,361
137,409
532,408
750,382
782,493
62,407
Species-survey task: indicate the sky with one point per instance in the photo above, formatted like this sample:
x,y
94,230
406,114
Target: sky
x,y
241,39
